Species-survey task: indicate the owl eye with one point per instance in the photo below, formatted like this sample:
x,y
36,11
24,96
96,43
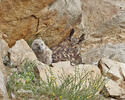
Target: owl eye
x,y
36,44
41,44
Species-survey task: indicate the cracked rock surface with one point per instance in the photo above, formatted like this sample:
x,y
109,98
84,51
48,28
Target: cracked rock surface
x,y
29,19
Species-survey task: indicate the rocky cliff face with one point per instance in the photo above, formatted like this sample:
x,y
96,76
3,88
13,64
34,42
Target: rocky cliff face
x,y
79,31
49,19
105,24
100,22
17,18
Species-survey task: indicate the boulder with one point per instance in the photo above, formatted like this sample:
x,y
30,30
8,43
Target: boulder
x,y
115,73
105,28
3,90
110,50
57,70
64,68
17,18
3,48
112,69
97,12
3,53
3,75
31,19
62,64
92,69
114,90
21,51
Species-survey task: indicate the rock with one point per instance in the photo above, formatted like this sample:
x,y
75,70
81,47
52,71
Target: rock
x,y
105,30
64,68
97,12
1,36
3,53
62,64
70,8
94,70
112,99
115,90
28,19
3,75
113,30
110,50
112,69
57,70
3,48
63,13
21,51
17,18
3,90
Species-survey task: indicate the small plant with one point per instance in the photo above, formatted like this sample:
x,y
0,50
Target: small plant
x,y
73,87
24,81
26,84
30,41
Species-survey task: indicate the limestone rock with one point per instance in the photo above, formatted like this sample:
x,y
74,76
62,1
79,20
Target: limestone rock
x,y
21,51
114,70
94,70
70,8
64,68
97,12
3,48
115,90
49,19
64,13
104,24
62,64
57,70
3,76
3,90
3,53
17,18
110,50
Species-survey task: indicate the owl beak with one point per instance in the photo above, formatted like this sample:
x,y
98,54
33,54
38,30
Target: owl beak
x,y
40,48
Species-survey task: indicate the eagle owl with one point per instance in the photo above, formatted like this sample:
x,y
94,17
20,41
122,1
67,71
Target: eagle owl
x,y
43,53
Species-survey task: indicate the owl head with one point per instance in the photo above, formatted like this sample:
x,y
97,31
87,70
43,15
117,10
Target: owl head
x,y
38,45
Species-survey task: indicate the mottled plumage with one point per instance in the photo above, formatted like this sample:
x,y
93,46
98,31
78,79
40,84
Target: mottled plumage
x,y
43,53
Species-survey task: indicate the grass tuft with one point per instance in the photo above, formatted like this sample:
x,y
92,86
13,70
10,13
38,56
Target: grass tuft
x,y
26,84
